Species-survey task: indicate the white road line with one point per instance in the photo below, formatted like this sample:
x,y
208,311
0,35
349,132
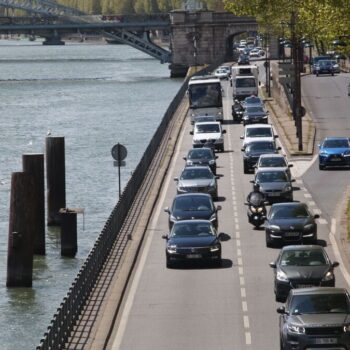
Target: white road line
x,y
237,227
307,195
317,211
246,321
148,239
322,221
239,262
243,293
241,281
239,252
337,252
244,306
240,271
248,338
311,203
238,235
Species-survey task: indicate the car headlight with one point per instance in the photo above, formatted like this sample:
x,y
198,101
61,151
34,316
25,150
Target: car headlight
x,y
329,276
308,227
213,217
346,328
323,153
274,228
281,276
171,249
212,184
211,162
189,162
172,218
288,188
253,209
296,329
346,154
196,141
215,248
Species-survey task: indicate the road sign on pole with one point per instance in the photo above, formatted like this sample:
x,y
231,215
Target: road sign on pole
x,y
119,153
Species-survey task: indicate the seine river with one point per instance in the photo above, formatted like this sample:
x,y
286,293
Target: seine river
x,y
94,95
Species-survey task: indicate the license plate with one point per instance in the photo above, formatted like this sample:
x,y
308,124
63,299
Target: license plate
x,y
326,340
194,256
305,285
292,234
335,159
273,194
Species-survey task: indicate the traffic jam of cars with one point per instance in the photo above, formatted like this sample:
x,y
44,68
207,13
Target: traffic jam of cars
x,y
316,314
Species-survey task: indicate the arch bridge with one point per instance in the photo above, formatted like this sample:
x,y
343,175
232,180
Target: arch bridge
x,y
196,38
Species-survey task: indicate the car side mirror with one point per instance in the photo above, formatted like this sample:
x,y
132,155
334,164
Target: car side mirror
x,y
191,132
224,131
273,265
335,264
278,148
184,158
219,207
241,137
293,180
165,237
276,136
290,165
166,209
221,236
246,203
176,179
316,216
281,310
242,149
252,181
216,157
217,177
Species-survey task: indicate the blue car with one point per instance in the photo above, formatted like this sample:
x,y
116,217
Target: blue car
x,y
334,151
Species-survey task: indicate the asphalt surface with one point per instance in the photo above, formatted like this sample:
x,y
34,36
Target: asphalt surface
x,y
233,307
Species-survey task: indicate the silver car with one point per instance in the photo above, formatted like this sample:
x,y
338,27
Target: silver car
x,y
275,184
197,179
274,161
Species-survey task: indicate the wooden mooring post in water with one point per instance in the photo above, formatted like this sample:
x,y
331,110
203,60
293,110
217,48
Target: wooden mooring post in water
x,y
34,164
56,179
69,236
21,234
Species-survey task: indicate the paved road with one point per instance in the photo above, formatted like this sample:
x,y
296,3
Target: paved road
x,y
326,97
231,307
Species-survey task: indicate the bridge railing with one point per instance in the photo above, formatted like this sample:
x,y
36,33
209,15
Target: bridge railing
x,y
69,310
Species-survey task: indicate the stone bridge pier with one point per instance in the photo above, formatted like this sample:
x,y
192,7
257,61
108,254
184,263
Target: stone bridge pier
x,y
204,37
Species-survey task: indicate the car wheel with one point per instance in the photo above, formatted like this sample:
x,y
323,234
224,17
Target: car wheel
x,y
245,168
320,167
269,241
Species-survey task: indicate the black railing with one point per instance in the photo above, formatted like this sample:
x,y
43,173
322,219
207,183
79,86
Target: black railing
x,y
69,310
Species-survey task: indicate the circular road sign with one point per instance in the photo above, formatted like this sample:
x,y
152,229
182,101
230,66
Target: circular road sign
x,y
119,152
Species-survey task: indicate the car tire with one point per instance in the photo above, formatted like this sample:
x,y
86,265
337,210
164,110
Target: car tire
x,y
245,168
321,167
269,241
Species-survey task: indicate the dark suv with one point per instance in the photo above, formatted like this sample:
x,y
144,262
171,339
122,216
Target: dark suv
x,y
315,318
324,67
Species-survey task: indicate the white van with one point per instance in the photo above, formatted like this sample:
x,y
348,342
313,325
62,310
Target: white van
x,y
244,86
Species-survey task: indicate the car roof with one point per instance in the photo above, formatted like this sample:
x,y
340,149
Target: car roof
x,y
253,126
302,247
273,155
206,123
270,169
259,140
200,149
290,204
204,195
197,167
318,290
336,138
192,221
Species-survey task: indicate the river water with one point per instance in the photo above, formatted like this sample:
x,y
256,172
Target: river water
x,y
94,95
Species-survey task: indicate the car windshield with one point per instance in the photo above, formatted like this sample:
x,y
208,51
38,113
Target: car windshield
x,y
192,229
245,82
255,109
272,162
200,154
193,203
302,257
289,212
196,173
260,146
336,143
271,176
259,132
252,100
320,304
207,128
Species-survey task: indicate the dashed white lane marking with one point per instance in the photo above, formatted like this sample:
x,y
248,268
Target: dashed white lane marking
x,y
311,203
307,195
337,252
240,271
246,321
322,221
244,306
241,281
239,252
248,338
243,294
239,261
316,211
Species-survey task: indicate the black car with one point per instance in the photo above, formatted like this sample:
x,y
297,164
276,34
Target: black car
x,y
191,206
300,266
315,318
290,223
202,156
254,115
253,150
324,67
193,240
